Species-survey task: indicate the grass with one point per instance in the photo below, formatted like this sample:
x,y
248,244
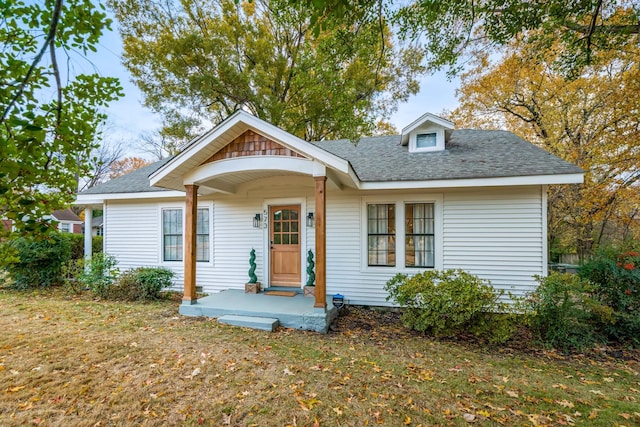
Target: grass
x,y
71,360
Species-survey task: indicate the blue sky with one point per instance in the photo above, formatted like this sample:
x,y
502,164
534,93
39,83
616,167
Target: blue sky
x,y
128,118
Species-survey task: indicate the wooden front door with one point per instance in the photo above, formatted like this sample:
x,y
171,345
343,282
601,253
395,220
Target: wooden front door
x,y
284,236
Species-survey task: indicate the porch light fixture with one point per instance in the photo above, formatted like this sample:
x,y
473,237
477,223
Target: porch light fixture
x,y
257,221
310,220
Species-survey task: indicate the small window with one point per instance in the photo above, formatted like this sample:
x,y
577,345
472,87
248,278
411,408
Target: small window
x,y
172,234
426,140
381,235
419,235
202,235
65,228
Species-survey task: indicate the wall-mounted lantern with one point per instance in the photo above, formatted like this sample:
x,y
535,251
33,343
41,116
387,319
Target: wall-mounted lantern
x,y
257,221
310,220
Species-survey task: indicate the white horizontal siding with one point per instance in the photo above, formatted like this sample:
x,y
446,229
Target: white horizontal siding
x,y
131,233
496,234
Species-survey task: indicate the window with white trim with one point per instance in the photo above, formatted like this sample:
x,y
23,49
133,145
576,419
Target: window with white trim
x,y
426,140
172,235
381,235
402,233
419,238
202,235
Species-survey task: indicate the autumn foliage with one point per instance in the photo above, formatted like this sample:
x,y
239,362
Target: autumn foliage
x,y
126,165
590,120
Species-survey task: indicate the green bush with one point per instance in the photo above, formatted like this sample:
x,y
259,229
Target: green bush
x,y
616,284
564,314
38,261
452,302
143,283
76,241
100,273
71,271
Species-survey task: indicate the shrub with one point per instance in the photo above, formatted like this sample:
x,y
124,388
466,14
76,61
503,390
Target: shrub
x,y
616,284
564,314
143,283
452,302
38,261
100,273
71,271
76,242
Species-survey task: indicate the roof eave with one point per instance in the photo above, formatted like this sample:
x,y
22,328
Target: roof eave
x,y
571,178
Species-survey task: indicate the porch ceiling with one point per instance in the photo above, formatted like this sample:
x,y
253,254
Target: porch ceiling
x,y
229,183
225,176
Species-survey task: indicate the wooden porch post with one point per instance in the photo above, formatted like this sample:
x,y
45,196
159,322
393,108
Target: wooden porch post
x,y
321,242
190,245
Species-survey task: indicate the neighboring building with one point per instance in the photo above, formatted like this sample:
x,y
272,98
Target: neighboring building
x,y
433,197
97,226
68,221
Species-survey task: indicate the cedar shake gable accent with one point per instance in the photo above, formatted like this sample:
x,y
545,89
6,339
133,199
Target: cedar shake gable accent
x,y
252,144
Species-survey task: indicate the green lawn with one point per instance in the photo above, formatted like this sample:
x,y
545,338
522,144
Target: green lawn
x,y
71,360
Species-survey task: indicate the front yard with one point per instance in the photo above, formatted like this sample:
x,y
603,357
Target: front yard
x,y
72,360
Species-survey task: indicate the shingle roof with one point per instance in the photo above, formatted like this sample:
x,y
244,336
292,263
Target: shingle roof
x,y
133,182
467,154
65,215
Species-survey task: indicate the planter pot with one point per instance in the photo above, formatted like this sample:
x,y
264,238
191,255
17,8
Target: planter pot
x,y
252,288
309,291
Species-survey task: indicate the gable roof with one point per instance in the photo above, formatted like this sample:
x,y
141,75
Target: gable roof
x,y
66,215
203,147
468,154
422,121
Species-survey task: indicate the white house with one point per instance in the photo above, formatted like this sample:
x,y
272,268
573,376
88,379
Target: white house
x,y
432,197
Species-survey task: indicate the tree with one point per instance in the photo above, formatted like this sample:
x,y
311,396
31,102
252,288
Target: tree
x,y
451,29
592,120
197,62
48,117
126,165
101,162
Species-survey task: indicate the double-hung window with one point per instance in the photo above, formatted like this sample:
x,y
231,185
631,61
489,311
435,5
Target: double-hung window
x,y
172,235
381,234
419,235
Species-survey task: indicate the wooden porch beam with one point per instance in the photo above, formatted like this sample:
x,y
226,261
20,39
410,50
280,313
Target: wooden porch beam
x,y
190,245
321,242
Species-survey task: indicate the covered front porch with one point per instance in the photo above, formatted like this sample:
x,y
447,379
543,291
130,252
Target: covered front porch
x,y
222,167
296,312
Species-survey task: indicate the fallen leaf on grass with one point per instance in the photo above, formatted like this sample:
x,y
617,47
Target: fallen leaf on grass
x,y
512,393
15,389
564,403
470,418
308,404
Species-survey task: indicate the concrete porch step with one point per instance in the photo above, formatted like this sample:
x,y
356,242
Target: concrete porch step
x,y
263,323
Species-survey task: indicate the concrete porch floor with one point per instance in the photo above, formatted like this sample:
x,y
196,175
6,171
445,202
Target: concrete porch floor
x,y
295,312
